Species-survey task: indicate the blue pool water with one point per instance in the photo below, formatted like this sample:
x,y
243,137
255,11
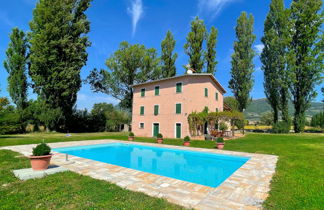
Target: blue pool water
x,y
203,168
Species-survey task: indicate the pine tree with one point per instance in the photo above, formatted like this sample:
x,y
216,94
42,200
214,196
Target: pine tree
x,y
241,81
129,65
305,56
194,45
210,55
168,58
273,59
58,52
15,64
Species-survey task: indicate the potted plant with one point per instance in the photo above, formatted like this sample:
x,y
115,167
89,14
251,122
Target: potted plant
x,y
159,138
220,143
41,157
186,141
131,136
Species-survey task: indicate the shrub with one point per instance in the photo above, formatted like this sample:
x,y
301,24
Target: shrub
x,y
223,126
281,127
131,134
160,136
220,140
41,149
187,138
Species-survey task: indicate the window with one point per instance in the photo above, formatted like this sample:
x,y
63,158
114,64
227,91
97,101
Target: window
x,y
141,125
156,109
142,110
206,92
216,109
178,108
216,96
142,92
157,90
179,87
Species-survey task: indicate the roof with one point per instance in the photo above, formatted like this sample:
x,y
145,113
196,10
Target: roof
x,y
185,75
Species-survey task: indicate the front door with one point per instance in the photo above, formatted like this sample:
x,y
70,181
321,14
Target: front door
x,y
156,129
178,130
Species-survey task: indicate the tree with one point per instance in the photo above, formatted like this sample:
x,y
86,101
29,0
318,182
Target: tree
x,y
15,64
241,82
167,58
129,65
210,55
305,56
273,60
231,102
267,118
57,53
194,45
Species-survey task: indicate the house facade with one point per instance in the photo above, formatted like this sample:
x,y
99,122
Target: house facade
x,y
163,106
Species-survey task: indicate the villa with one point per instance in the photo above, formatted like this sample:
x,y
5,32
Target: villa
x,y
162,106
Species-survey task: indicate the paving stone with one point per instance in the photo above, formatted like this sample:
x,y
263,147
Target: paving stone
x,y
29,173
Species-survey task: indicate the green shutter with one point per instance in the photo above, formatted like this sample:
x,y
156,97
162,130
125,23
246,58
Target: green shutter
x,y
178,108
142,110
141,125
216,109
206,92
179,87
216,96
156,109
157,90
178,130
142,92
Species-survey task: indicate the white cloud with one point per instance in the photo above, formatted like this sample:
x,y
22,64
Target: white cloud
x,y
259,48
212,7
135,11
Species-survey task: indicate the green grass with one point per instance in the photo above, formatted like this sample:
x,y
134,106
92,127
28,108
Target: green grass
x,y
297,184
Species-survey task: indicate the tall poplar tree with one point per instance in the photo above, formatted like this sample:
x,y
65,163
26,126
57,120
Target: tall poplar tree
x,y
305,57
58,52
168,58
16,64
274,60
210,55
241,81
194,44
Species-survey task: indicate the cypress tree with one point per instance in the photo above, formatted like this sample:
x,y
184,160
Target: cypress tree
x,y
58,52
305,56
273,60
15,64
241,81
210,55
194,45
168,58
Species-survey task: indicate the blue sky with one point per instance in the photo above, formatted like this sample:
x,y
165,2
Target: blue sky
x,y
146,22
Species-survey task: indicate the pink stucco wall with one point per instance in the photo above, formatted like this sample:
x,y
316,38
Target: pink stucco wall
x,y
192,99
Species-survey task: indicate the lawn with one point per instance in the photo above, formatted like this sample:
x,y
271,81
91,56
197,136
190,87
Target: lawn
x,y
297,184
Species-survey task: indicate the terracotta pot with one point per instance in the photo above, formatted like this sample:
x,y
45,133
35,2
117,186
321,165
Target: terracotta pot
x,y
131,138
186,143
159,140
40,162
220,145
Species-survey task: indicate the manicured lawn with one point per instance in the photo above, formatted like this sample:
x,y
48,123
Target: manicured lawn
x,y
297,184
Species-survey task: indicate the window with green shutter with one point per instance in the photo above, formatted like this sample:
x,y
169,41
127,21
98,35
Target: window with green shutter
x,y
206,92
216,109
157,90
142,125
142,110
178,108
179,87
216,96
156,109
142,92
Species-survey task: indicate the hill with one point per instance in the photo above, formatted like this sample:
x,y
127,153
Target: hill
x,y
260,106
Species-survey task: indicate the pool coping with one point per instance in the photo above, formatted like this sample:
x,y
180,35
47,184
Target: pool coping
x,y
246,188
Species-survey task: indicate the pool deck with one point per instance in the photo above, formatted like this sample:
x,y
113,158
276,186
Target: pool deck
x,y
246,188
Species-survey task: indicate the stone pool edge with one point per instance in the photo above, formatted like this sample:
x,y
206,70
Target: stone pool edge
x,y
246,188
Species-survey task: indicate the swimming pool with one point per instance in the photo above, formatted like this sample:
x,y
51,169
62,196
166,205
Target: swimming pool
x,y
203,168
